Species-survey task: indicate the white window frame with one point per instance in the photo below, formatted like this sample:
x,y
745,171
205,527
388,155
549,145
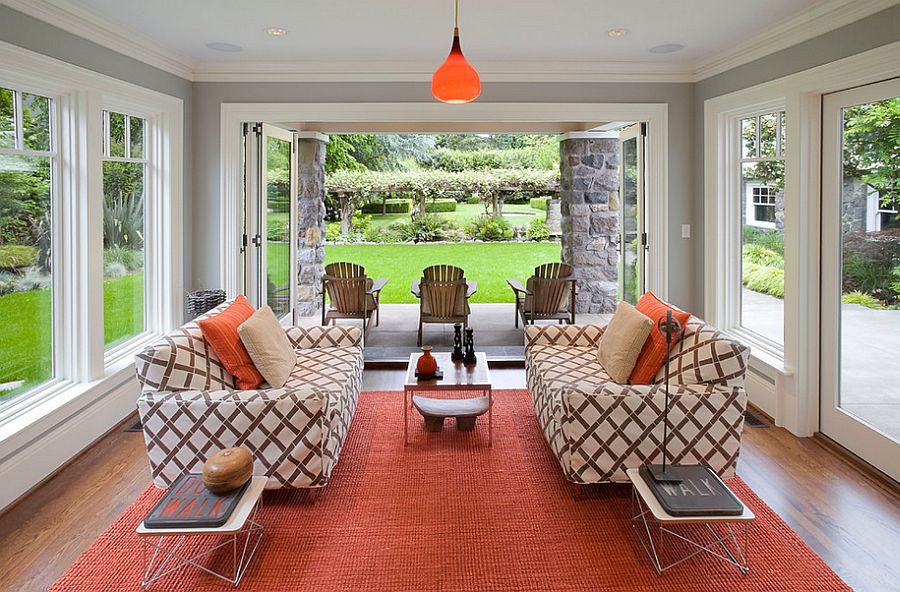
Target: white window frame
x,y
750,207
85,374
786,386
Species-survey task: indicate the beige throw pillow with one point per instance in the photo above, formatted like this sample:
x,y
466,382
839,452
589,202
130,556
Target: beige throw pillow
x,y
621,342
268,346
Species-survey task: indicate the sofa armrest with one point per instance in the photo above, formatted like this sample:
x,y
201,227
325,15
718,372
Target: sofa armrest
x,y
309,337
572,335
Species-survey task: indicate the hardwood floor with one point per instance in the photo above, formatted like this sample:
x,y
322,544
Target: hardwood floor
x,y
850,518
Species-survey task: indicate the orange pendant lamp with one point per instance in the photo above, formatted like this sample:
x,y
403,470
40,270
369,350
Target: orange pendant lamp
x,y
456,81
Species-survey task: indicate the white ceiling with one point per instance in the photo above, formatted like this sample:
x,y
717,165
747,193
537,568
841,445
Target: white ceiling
x,y
323,31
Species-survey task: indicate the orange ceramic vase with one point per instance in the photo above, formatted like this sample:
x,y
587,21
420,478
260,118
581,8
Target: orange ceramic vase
x,y
427,364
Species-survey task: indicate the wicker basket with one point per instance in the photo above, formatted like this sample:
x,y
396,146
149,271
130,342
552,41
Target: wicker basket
x,y
203,301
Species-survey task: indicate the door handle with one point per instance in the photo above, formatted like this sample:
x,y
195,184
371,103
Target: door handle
x,y
256,240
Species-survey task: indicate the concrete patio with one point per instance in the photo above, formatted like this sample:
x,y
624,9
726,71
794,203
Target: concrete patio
x,y
495,332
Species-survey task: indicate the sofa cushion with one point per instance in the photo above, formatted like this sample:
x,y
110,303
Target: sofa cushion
x,y
325,369
622,341
221,333
268,346
705,355
653,354
574,368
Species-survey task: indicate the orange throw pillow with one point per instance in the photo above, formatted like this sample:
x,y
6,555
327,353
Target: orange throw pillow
x,y
221,332
653,354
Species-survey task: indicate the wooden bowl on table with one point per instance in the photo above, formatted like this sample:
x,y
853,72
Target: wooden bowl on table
x,y
227,469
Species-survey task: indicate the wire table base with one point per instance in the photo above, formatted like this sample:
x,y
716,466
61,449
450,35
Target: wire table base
x,y
166,552
724,540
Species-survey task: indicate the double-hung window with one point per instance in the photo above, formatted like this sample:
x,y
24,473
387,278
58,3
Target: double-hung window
x,y
27,258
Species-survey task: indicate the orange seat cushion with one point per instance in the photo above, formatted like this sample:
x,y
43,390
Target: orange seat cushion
x,y
221,332
653,354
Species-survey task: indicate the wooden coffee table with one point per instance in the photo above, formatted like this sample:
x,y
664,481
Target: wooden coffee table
x,y
458,378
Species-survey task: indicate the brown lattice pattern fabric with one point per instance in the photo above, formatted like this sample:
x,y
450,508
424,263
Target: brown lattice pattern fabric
x,y
563,335
706,355
189,408
597,429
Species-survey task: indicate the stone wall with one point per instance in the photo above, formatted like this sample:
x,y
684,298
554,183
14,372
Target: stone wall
x,y
589,203
310,223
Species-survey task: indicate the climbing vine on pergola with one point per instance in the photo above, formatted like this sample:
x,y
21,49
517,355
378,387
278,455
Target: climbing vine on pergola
x,y
353,188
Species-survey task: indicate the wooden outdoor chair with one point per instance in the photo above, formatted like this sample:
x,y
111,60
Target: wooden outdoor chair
x,y
548,295
351,293
443,294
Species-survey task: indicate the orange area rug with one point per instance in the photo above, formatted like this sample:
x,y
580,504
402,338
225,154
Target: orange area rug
x,y
448,513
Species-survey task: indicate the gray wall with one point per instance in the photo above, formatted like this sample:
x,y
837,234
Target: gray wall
x,y
22,30
209,96
874,31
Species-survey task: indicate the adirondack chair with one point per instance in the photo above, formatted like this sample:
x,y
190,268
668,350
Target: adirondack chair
x,y
443,294
352,294
548,295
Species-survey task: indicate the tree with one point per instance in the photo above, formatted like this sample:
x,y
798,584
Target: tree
x,y
872,147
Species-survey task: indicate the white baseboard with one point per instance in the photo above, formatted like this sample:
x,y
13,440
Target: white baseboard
x,y
38,451
762,393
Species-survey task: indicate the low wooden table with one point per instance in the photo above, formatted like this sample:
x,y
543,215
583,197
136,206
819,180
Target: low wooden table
x,y
457,378
724,537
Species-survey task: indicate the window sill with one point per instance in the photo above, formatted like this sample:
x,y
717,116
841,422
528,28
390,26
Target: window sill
x,y
766,357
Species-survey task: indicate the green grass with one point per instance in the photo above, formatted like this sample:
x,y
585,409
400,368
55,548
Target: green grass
x,y
487,264
466,212
26,335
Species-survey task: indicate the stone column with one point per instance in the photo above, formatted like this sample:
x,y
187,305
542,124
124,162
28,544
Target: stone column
x,y
589,203
310,221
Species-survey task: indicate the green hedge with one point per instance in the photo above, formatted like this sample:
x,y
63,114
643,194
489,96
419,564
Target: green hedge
x,y
17,256
473,199
440,205
539,203
391,206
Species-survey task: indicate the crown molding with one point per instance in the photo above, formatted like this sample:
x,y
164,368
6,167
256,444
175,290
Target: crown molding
x,y
823,17
377,71
76,20
820,19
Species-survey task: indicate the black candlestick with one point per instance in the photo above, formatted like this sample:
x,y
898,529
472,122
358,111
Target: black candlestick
x,y
470,348
457,355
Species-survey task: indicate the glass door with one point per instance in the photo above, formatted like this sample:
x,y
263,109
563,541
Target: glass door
x,y
270,218
632,235
860,396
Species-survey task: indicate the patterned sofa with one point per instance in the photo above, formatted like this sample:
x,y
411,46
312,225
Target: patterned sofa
x,y
189,407
597,429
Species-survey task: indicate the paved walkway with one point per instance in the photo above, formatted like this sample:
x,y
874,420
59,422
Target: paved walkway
x,y
870,356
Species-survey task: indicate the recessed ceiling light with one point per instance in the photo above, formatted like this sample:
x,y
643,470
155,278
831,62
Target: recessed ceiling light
x,y
667,48
226,47
276,31
617,32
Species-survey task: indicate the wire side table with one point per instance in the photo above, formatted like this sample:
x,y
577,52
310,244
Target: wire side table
x,y
671,540
242,532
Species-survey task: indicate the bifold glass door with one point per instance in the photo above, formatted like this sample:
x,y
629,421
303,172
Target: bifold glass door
x,y
860,396
632,236
270,217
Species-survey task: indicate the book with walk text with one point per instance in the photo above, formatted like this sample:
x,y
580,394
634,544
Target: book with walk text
x,y
692,490
189,504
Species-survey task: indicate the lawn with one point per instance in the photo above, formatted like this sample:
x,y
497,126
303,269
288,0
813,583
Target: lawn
x,y
25,340
489,264
466,212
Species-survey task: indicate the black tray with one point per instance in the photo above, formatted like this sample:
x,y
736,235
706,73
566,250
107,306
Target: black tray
x,y
438,375
209,510
700,493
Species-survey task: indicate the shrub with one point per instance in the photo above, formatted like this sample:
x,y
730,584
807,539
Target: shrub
x,y
123,221
489,228
33,280
374,234
537,230
425,228
17,256
277,230
115,270
760,255
7,282
770,239
332,231
130,259
862,299
762,279
390,206
539,203
440,205
361,222
473,200
870,276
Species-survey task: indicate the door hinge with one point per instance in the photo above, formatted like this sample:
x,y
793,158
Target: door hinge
x,y
644,239
256,240
244,239
643,128
257,129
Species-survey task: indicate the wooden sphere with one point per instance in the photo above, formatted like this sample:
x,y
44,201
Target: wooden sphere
x,y
227,469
